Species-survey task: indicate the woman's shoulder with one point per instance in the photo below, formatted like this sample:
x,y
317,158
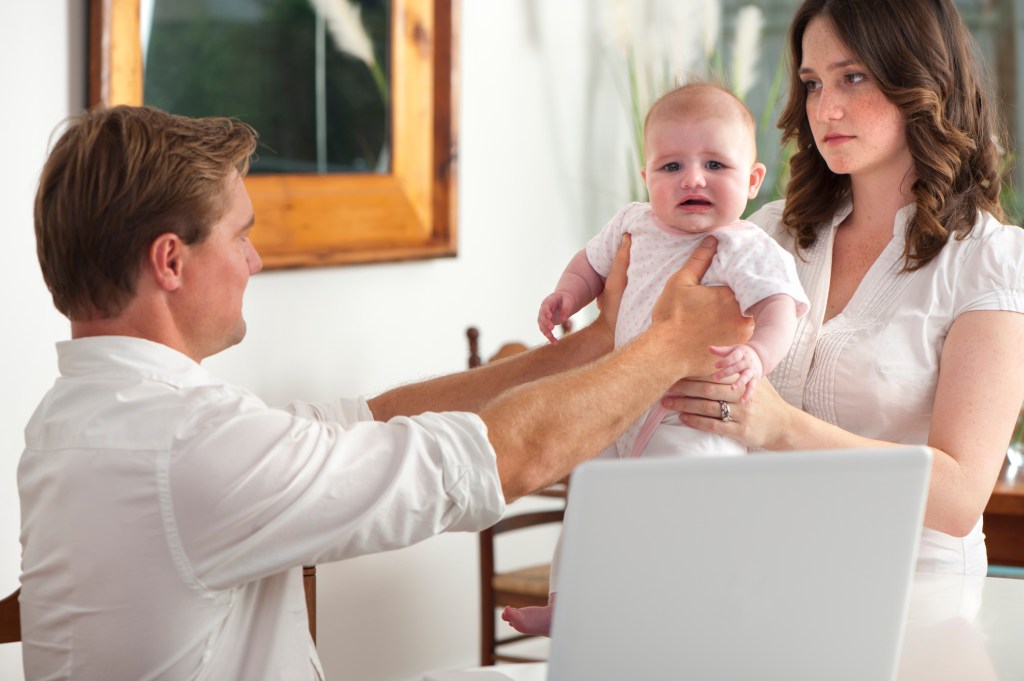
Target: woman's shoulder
x,y
769,218
768,215
989,237
987,227
983,268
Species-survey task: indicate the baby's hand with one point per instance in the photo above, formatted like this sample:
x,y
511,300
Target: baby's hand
x,y
740,360
554,310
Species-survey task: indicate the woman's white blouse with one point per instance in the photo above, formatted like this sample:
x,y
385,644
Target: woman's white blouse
x,y
873,368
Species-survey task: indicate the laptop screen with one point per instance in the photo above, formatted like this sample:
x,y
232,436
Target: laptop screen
x,y
767,566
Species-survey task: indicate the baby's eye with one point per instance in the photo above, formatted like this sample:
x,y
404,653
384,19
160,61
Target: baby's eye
x,y
714,165
671,167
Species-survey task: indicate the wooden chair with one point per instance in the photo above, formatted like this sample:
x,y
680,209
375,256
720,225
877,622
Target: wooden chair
x,y
10,614
10,619
516,588
309,586
506,350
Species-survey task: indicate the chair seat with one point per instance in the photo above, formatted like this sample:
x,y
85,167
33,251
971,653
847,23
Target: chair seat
x,y
531,582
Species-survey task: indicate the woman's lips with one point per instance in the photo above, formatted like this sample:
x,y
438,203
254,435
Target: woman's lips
x,y
836,138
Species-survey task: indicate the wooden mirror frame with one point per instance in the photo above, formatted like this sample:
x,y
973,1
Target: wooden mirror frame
x,y
308,220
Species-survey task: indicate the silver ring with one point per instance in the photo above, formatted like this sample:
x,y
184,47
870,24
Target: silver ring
x,y
726,416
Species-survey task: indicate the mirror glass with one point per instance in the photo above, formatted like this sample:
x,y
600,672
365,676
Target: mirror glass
x,y
312,76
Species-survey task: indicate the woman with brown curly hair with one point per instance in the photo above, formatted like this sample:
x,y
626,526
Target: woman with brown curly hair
x,y
916,288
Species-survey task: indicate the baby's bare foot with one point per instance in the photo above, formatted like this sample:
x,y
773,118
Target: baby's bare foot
x,y
534,620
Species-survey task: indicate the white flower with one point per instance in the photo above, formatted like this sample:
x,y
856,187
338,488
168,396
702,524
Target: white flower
x,y
710,14
618,24
746,48
345,24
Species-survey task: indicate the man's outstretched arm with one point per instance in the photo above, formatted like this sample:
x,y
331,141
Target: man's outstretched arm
x,y
542,428
471,390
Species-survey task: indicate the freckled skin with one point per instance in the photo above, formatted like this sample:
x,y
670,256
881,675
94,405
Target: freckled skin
x,y
856,129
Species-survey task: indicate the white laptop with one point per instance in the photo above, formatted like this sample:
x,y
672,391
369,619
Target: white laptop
x,y
789,566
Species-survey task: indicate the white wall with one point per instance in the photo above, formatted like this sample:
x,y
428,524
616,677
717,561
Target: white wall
x,y
535,151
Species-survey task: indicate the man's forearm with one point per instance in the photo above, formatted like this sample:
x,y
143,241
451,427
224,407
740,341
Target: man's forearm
x,y
471,390
543,429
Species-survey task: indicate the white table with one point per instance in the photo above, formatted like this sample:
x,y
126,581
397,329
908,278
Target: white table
x,y
958,629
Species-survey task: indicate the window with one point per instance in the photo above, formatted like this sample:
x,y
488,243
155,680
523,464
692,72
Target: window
x,y
361,175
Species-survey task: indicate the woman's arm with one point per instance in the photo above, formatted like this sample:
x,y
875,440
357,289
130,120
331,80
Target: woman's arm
x,y
979,394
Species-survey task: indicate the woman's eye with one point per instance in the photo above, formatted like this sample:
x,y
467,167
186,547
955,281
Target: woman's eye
x,y
811,85
854,78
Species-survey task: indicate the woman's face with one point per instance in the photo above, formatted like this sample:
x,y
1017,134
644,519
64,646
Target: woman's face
x,y
856,129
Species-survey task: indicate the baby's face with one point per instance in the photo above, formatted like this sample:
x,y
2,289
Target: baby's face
x,y
700,170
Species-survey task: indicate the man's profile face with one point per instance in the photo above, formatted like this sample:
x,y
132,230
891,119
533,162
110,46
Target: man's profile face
x,y
216,275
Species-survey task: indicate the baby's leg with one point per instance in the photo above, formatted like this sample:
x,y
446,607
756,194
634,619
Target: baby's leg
x,y
536,620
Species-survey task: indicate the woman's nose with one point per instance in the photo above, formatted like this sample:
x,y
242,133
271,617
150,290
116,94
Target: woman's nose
x,y
829,106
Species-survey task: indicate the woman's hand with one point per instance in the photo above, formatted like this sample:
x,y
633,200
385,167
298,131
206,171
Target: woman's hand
x,y
765,420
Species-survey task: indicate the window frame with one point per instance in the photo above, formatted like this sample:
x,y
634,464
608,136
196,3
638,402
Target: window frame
x,y
310,220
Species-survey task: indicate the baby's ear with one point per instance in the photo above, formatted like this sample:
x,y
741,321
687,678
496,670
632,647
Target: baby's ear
x,y
756,178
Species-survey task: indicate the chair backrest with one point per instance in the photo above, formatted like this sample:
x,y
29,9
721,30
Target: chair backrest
x,y
10,619
309,586
506,350
521,587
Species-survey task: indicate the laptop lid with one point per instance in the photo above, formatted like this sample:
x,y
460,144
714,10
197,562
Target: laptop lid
x,y
769,566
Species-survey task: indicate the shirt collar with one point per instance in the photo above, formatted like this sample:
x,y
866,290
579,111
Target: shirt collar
x,y
899,224
125,355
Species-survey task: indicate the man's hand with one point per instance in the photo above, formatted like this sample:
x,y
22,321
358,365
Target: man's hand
x,y
700,316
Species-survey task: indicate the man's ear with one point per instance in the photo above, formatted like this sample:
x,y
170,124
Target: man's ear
x,y
166,261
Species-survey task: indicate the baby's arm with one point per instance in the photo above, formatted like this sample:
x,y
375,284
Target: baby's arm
x,y
579,284
775,323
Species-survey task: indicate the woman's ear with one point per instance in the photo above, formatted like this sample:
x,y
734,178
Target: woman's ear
x,y
166,260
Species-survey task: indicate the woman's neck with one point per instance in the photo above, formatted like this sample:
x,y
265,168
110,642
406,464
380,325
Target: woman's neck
x,y
877,199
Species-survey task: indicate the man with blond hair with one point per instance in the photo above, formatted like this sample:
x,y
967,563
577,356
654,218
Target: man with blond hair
x,y
166,513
